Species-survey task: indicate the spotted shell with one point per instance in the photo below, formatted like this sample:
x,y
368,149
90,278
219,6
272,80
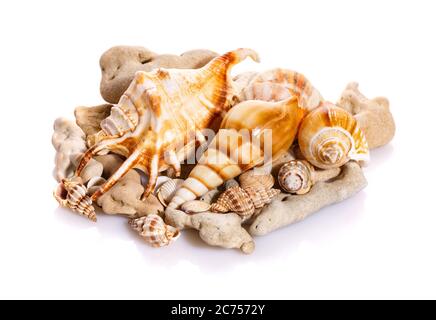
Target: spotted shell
x,y
256,177
154,230
261,195
296,176
236,200
195,206
167,190
330,136
71,193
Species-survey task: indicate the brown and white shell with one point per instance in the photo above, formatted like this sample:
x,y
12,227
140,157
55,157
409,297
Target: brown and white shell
x,y
71,193
296,176
154,230
256,177
330,136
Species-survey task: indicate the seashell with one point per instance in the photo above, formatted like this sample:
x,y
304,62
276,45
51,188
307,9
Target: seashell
x,y
329,137
296,177
154,230
255,177
167,190
252,133
231,183
161,109
261,195
71,193
195,206
93,184
234,200
280,84
210,196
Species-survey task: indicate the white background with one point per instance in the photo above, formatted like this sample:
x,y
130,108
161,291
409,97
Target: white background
x,y
378,244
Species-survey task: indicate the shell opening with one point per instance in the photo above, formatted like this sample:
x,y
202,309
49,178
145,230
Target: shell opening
x,y
61,191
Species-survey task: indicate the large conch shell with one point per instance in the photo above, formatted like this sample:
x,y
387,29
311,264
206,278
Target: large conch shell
x,y
330,136
250,132
156,118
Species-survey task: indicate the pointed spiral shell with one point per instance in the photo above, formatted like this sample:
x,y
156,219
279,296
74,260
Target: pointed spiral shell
x,y
154,230
296,176
71,193
329,137
236,200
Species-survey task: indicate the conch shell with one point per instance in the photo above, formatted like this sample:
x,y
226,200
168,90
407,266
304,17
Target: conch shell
x,y
154,230
156,120
71,193
330,136
251,132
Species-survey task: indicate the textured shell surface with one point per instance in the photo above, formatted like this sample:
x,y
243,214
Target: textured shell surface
x,y
296,176
235,200
71,193
280,84
261,195
167,190
195,206
154,230
330,136
256,177
159,117
251,132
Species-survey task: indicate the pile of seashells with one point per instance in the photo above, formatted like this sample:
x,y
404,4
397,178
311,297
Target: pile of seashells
x,y
187,146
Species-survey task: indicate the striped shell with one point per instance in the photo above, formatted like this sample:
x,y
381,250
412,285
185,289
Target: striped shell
x,y
252,133
296,176
261,195
159,118
167,190
330,136
280,84
235,200
154,230
256,177
71,193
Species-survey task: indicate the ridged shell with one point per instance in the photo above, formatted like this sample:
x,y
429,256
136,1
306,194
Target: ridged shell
x,y
71,193
256,177
261,195
252,132
296,177
195,206
167,190
160,116
154,230
280,84
235,200
329,137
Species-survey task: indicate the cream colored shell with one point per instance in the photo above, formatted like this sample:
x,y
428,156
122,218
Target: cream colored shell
x,y
296,177
154,230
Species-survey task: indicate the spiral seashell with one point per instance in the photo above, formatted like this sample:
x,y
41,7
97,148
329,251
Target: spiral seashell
x,y
329,137
256,177
154,230
296,177
71,193
252,133
261,195
195,206
235,200
167,190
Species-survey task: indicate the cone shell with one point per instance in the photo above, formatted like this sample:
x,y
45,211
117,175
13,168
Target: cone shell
x,y
329,137
256,177
253,132
167,190
296,177
235,200
71,193
154,230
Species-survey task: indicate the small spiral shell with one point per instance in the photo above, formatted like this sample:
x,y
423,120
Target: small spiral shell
x,y
154,230
329,137
296,176
256,177
234,199
71,193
